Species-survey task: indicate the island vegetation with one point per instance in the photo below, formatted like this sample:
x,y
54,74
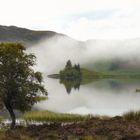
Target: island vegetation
x,y
71,72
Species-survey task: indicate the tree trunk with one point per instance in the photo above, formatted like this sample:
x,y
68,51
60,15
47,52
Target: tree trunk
x,y
11,112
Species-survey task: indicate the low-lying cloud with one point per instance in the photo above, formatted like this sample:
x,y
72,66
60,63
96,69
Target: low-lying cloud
x,y
53,53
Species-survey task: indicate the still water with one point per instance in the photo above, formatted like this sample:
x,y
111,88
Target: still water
x,y
99,97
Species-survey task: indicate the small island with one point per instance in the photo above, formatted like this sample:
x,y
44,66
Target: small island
x,y
71,76
71,72
75,72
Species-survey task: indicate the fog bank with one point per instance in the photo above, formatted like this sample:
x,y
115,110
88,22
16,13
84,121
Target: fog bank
x,y
53,53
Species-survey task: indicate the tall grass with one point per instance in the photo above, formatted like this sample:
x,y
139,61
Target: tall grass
x,y
40,98
48,116
132,115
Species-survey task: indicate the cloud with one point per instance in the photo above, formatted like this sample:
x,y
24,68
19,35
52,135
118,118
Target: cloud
x,y
120,25
78,18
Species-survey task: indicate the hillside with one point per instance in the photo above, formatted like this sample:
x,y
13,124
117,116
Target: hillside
x,y
23,35
112,65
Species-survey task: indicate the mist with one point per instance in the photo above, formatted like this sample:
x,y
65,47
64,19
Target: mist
x,y
99,97
53,53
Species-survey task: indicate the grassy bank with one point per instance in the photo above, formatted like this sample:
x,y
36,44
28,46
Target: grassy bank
x,y
48,116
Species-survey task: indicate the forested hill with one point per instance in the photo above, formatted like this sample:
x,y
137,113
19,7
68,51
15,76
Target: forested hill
x,y
23,35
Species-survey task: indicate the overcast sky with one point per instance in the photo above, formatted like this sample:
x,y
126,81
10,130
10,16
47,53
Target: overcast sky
x,y
80,19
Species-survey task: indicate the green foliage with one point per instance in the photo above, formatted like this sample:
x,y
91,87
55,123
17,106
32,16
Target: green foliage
x,y
19,84
137,90
68,65
71,72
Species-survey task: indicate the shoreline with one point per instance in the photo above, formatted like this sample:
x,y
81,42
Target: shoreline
x,y
116,128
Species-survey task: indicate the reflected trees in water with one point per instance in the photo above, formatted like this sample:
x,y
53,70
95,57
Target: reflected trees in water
x,y
71,84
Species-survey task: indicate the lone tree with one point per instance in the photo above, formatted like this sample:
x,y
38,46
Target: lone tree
x,y
68,65
20,86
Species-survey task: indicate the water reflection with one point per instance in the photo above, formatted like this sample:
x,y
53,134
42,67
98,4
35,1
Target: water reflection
x,y
102,97
70,84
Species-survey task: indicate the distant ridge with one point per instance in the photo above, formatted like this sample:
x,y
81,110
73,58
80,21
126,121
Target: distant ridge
x,y
23,35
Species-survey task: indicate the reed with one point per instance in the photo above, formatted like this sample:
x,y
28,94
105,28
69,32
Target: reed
x,y
132,115
40,98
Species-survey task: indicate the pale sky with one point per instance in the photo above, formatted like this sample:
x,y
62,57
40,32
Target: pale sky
x,y
80,19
